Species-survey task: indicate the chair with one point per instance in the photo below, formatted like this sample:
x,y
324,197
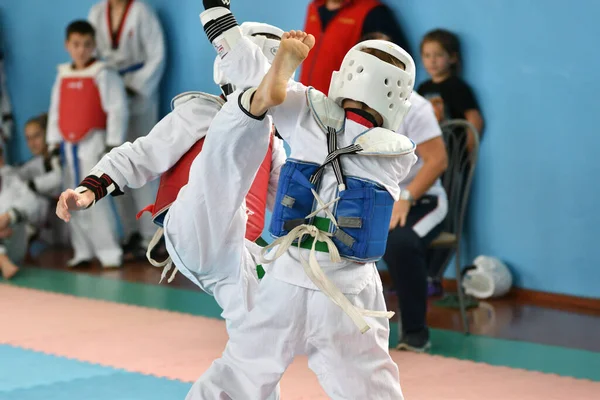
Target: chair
x,y
457,182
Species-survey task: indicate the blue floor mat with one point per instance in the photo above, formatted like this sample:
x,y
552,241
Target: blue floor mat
x,y
29,375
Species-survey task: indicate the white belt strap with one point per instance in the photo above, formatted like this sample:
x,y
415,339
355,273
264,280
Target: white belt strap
x,y
166,264
314,271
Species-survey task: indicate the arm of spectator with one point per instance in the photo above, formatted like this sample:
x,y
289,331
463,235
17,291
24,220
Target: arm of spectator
x,y
381,24
114,103
145,81
49,183
431,149
468,106
475,118
53,136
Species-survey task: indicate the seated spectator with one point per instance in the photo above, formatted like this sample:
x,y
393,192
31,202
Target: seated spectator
x,y
18,205
43,175
337,25
416,221
451,97
43,172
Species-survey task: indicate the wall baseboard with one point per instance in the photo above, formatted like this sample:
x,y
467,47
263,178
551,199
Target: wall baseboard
x,y
533,297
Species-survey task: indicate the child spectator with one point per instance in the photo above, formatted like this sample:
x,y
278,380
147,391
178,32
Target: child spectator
x,y
88,115
450,96
18,205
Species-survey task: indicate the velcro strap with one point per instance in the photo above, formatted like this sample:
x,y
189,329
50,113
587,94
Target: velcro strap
x,y
100,185
344,237
349,222
288,201
291,224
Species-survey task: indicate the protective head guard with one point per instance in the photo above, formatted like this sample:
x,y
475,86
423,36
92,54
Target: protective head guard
x,y
487,277
263,35
382,86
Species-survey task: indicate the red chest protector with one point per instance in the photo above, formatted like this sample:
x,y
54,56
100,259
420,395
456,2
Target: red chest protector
x,y
332,44
80,104
175,178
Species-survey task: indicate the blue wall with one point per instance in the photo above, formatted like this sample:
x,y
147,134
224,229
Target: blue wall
x,y
532,63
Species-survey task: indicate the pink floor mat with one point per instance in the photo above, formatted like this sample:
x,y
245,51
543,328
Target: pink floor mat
x,y
181,346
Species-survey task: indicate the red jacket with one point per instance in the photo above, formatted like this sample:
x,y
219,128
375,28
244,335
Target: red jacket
x,y
342,33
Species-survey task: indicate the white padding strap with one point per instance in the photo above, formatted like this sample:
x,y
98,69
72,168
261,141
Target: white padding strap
x,y
325,111
166,264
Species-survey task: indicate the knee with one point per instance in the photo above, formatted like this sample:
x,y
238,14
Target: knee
x,y
403,240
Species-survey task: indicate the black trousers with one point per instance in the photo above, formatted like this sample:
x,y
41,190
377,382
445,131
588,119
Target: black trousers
x,y
406,258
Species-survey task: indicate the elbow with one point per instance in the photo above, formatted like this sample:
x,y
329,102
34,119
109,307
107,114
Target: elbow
x,y
442,163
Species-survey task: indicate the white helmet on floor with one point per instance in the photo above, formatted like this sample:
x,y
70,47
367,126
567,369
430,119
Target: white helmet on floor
x,y
263,36
488,277
384,87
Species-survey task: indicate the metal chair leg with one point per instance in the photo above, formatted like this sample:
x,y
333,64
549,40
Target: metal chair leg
x,y
461,295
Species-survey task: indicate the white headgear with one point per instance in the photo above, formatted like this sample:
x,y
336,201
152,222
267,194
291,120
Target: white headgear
x,y
380,85
488,277
256,32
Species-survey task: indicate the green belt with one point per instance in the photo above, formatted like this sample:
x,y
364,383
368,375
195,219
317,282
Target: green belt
x,y
322,224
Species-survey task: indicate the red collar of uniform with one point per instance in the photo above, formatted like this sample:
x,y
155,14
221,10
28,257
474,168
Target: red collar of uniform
x,y
116,37
361,117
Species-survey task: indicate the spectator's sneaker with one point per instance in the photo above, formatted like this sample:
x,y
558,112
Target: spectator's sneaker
x,y
76,262
434,287
417,342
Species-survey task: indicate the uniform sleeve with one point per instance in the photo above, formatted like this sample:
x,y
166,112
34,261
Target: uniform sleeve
x,y
146,80
114,103
135,164
29,206
6,117
53,136
245,65
277,162
381,20
49,183
420,124
27,171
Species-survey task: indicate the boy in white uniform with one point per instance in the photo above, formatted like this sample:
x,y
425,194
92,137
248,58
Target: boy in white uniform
x,y
131,40
347,212
18,205
134,164
88,115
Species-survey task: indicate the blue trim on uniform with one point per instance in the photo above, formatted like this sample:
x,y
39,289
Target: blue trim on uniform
x,y
131,68
76,168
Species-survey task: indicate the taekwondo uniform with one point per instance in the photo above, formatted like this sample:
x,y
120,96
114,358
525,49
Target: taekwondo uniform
x,y
337,190
137,51
88,113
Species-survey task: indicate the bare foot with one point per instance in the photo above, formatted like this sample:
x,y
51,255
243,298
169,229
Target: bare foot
x,y
8,268
294,48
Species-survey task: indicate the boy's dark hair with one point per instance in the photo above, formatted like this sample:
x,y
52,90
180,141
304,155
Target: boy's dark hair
x,y
385,57
81,27
449,42
40,120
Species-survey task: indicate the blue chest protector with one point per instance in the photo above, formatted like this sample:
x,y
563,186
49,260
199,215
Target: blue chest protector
x,y
364,209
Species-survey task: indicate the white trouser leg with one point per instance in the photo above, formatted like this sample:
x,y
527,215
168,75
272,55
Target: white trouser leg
x,y
351,365
260,349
